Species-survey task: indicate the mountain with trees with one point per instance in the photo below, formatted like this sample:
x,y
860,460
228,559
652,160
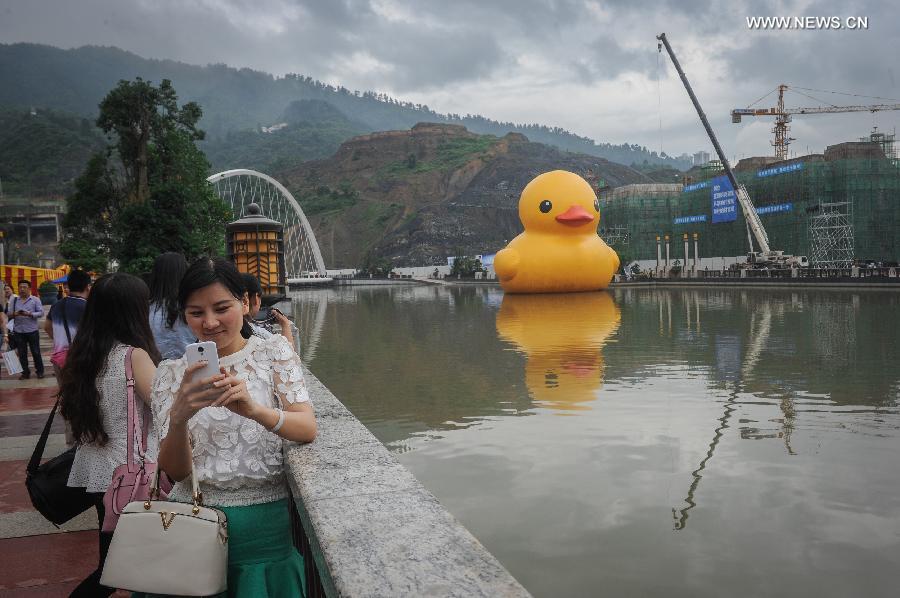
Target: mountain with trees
x,y
308,130
241,100
418,196
43,151
147,193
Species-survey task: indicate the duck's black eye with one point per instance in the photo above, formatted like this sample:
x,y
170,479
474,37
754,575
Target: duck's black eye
x,y
596,205
545,206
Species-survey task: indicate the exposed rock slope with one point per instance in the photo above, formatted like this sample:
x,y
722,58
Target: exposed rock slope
x,y
416,197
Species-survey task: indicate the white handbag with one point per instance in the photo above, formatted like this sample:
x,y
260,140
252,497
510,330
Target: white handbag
x,y
12,363
164,547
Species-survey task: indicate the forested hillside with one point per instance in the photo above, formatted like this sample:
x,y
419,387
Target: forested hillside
x,y
308,130
418,196
43,151
235,100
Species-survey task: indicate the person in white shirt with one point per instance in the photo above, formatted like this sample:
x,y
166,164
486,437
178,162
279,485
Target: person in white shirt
x,y
4,330
236,422
93,391
26,310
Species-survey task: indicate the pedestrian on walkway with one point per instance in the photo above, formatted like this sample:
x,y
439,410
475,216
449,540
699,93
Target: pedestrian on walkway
x,y
254,300
93,392
236,422
170,332
26,310
64,316
4,331
62,324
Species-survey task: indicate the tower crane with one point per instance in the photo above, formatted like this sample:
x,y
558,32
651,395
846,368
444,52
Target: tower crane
x,y
766,256
783,117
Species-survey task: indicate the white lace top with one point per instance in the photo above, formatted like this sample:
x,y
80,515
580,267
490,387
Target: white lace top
x,y
94,464
236,460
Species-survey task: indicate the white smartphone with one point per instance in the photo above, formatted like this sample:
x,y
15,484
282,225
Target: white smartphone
x,y
205,351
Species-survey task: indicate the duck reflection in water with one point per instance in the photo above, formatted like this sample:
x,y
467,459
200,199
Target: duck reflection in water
x,y
562,336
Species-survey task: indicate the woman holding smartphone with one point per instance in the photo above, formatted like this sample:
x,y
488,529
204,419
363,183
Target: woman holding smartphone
x,y
236,422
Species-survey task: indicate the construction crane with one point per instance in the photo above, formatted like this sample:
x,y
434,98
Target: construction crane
x,y
783,117
765,256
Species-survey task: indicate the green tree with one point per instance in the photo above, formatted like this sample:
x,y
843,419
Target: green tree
x,y
465,266
87,239
158,200
375,265
182,214
140,116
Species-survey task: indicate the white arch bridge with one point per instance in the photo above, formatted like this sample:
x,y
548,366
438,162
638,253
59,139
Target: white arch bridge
x,y
302,257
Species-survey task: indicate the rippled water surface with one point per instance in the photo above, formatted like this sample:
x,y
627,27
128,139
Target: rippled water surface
x,y
639,442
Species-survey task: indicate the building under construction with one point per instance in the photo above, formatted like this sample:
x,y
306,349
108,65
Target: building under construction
x,y
839,207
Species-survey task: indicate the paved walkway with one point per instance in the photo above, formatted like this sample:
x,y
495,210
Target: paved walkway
x,y
434,281
38,558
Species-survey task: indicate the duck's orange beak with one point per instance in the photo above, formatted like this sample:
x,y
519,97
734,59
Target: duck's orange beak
x,y
575,216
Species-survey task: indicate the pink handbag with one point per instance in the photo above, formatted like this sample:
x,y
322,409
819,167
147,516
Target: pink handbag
x,y
131,480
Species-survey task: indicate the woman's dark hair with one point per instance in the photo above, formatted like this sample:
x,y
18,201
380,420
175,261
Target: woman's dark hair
x,y
117,311
168,269
210,270
251,285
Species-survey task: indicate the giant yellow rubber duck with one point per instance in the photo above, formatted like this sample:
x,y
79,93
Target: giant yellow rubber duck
x,y
559,252
562,337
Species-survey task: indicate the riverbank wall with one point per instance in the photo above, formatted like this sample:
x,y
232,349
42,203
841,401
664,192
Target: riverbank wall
x,y
372,528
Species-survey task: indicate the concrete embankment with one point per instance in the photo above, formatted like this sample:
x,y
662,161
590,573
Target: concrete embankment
x,y
754,283
374,530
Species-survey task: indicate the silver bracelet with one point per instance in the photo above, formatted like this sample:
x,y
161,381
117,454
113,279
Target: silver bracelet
x,y
274,429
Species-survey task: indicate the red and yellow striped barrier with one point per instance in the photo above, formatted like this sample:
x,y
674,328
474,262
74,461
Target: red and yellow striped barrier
x,y
13,275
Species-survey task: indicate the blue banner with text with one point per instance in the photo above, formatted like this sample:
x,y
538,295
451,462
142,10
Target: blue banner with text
x,y
695,186
724,200
780,169
690,219
779,207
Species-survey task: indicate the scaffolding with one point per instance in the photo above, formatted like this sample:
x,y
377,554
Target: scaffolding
x,y
885,140
615,236
843,202
831,236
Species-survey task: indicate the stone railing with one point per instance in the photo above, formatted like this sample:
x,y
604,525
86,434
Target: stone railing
x,y
371,527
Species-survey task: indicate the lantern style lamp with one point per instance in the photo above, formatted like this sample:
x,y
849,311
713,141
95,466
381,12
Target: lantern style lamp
x,y
256,246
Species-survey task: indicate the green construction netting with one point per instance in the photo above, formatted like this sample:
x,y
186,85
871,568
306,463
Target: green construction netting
x,y
867,189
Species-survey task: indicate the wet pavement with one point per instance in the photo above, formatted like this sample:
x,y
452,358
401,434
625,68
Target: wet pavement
x,y
38,558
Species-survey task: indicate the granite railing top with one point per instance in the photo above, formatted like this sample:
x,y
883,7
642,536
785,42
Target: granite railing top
x,y
374,529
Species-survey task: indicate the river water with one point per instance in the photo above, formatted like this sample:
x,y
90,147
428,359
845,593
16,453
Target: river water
x,y
638,442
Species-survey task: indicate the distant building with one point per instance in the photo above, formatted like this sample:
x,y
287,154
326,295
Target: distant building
x,y
701,158
273,128
790,197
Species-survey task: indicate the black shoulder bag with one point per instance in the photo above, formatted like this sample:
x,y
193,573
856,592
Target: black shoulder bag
x,y
47,483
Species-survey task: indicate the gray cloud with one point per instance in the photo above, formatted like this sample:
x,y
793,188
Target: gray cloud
x,y
492,57
606,59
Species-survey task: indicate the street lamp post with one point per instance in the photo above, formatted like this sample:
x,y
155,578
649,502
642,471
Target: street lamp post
x,y
256,246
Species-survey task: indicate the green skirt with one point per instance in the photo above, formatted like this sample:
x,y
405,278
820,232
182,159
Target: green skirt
x,y
262,560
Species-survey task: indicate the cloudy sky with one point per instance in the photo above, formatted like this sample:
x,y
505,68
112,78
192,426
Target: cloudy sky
x,y
591,67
